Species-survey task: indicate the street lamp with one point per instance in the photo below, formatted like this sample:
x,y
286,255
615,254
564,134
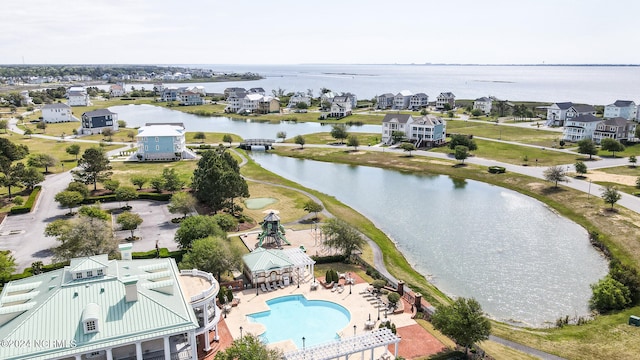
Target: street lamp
x,y
354,330
378,310
240,332
303,343
385,313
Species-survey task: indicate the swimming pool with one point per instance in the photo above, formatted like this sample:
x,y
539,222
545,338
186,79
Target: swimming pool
x,y
293,317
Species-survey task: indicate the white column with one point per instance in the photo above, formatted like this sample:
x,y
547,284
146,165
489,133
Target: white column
x,y
207,341
78,357
396,349
138,350
109,354
194,345
167,348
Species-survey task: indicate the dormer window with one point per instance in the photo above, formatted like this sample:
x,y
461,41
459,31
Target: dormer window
x,y
78,275
90,326
91,318
100,272
89,273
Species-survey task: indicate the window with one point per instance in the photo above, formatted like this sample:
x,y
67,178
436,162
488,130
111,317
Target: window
x,y
91,325
157,147
156,139
79,275
89,273
100,272
146,148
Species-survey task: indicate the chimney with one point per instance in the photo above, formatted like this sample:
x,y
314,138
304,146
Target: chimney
x,y
126,251
130,288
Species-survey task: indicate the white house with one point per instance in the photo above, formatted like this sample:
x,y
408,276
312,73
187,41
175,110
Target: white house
x,y
250,103
234,103
445,98
580,127
56,112
402,100
559,113
299,98
77,96
483,104
427,131
162,142
621,108
395,122
117,90
341,106
96,308
385,101
95,122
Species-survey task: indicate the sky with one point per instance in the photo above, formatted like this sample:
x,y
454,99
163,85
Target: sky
x,y
327,32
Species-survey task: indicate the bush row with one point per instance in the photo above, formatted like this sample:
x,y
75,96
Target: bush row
x,y
23,209
142,196
497,169
328,259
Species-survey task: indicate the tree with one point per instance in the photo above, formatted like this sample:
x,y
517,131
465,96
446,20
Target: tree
x,y
587,147
609,294
633,160
217,181
73,149
12,176
313,207
408,147
94,211
69,199
212,254
172,180
28,132
610,195
122,124
461,152
4,125
463,321
300,141
581,167
41,160
129,221
464,140
107,133
612,145
397,136
31,177
281,135
111,185
7,266
83,236
10,152
339,132
249,347
79,187
126,194
342,236
131,135
225,221
139,181
182,203
393,298
227,138
555,174
502,107
199,136
94,167
42,125
197,227
626,275
157,183
353,141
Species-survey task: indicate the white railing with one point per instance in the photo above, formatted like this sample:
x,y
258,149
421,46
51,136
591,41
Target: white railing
x,y
206,293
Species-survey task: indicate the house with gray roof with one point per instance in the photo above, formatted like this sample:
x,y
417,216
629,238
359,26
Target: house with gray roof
x,y
617,128
621,108
78,96
95,122
580,127
385,101
559,113
418,101
56,113
483,104
402,100
96,308
445,98
393,123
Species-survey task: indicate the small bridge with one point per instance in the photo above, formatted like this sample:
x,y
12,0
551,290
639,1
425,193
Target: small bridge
x,y
248,143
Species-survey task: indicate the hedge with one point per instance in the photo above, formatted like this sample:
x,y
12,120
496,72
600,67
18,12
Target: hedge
x,y
23,209
141,196
328,259
497,169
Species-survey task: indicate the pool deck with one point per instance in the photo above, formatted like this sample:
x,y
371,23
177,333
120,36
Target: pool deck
x,y
360,308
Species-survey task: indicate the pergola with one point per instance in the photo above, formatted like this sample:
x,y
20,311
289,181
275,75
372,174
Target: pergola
x,y
346,346
300,261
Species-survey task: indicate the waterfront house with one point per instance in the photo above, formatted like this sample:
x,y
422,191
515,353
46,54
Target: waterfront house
x,y
257,90
402,99
190,98
426,131
56,112
341,106
559,113
96,308
392,123
327,98
95,122
445,98
235,91
418,101
170,93
77,96
385,101
483,104
117,90
580,127
162,142
250,103
617,128
621,108
268,104
299,98
234,103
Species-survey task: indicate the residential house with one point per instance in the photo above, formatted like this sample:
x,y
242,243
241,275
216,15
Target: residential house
x,y
117,90
234,103
353,98
418,101
95,122
236,91
402,100
385,101
445,98
268,104
580,127
580,109
299,98
96,308
617,128
395,122
427,131
483,104
56,112
341,106
170,93
327,98
257,90
25,98
77,96
621,108
158,87
559,113
250,103
162,142
190,98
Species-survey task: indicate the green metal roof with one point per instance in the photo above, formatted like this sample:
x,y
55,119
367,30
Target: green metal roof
x,y
262,259
60,303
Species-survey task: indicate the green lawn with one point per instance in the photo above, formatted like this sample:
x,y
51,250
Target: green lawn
x,y
326,138
532,136
210,138
123,171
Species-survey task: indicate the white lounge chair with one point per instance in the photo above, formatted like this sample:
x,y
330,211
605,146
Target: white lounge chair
x,y
274,285
264,288
280,284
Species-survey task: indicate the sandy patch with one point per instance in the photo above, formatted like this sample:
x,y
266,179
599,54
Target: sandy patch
x,y
596,175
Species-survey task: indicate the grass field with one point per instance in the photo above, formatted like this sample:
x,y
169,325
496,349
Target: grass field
x,y
531,135
326,138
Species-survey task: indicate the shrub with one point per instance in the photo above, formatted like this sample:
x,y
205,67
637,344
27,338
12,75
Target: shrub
x,y
23,209
497,169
